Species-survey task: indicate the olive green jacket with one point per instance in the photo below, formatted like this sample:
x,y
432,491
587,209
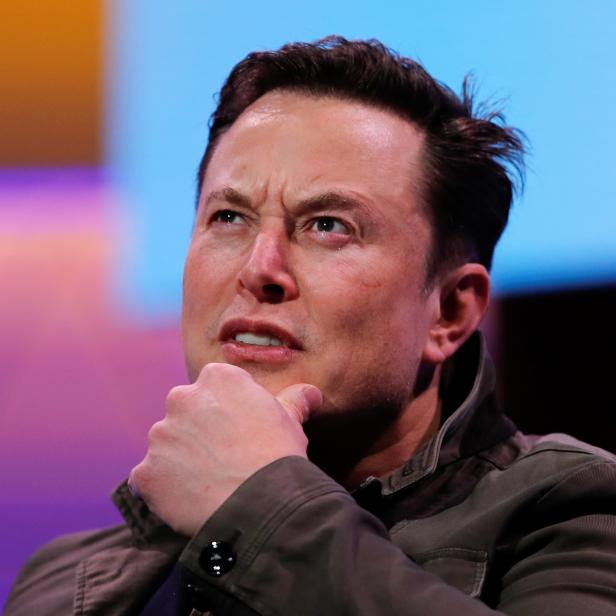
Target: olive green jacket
x,y
482,520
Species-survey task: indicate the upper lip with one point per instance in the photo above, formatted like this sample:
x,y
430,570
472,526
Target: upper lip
x,y
264,328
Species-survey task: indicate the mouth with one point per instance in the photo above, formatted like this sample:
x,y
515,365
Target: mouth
x,y
247,340
259,340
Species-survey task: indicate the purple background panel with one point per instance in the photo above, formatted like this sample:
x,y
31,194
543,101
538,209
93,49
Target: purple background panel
x,y
80,385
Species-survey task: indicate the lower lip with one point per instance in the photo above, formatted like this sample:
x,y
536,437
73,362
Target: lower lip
x,y
237,351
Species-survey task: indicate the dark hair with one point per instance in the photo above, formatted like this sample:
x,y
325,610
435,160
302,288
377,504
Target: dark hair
x,y
470,157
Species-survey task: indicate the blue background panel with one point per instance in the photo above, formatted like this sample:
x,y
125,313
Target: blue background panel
x,y
551,63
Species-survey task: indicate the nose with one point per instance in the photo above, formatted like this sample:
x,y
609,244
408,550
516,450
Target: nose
x,y
266,273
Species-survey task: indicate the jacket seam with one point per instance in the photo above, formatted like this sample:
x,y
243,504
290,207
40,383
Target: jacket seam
x,y
81,588
587,465
281,514
591,454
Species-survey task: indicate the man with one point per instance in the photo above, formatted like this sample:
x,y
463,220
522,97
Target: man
x,y
339,450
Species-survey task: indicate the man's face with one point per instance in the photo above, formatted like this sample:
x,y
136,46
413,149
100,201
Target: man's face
x,y
307,262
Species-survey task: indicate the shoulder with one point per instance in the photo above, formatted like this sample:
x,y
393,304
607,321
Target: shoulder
x,y
554,458
70,549
49,576
569,471
550,480
542,467
563,444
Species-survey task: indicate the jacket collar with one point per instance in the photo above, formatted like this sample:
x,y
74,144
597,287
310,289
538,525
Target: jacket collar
x,y
472,419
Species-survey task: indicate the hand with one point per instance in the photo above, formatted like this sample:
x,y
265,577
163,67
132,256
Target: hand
x,y
215,434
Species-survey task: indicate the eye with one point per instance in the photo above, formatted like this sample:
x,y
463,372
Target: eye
x,y
328,224
228,217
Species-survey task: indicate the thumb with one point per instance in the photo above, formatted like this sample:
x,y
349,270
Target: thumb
x,y
299,400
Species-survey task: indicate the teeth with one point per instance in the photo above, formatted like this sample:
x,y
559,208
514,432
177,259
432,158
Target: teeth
x,y
248,338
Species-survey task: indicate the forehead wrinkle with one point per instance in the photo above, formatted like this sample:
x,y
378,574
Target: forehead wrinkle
x,y
342,201
233,196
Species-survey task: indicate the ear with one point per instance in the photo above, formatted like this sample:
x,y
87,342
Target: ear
x,y
463,296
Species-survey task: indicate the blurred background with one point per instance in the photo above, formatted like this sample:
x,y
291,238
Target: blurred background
x,y
103,119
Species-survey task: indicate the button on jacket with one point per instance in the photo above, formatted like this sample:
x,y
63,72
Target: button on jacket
x,y
482,520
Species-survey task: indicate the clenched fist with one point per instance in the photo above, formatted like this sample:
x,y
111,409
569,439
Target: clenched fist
x,y
215,434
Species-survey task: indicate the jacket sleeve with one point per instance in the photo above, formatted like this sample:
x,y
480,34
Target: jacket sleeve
x,y
303,546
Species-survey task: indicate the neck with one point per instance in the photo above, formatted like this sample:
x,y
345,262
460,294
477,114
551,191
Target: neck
x,y
351,447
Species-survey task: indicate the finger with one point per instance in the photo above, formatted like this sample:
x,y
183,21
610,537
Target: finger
x,y
300,400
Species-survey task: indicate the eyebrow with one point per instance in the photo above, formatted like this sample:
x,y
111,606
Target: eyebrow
x,y
230,195
330,200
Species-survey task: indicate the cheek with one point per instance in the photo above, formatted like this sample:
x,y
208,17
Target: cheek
x,y
192,287
200,300
205,277
202,297
365,303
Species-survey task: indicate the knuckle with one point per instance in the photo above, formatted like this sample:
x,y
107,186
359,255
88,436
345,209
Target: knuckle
x,y
157,432
177,397
219,370
208,371
144,479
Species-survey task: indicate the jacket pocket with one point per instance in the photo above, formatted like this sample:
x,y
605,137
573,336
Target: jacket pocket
x,y
463,568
